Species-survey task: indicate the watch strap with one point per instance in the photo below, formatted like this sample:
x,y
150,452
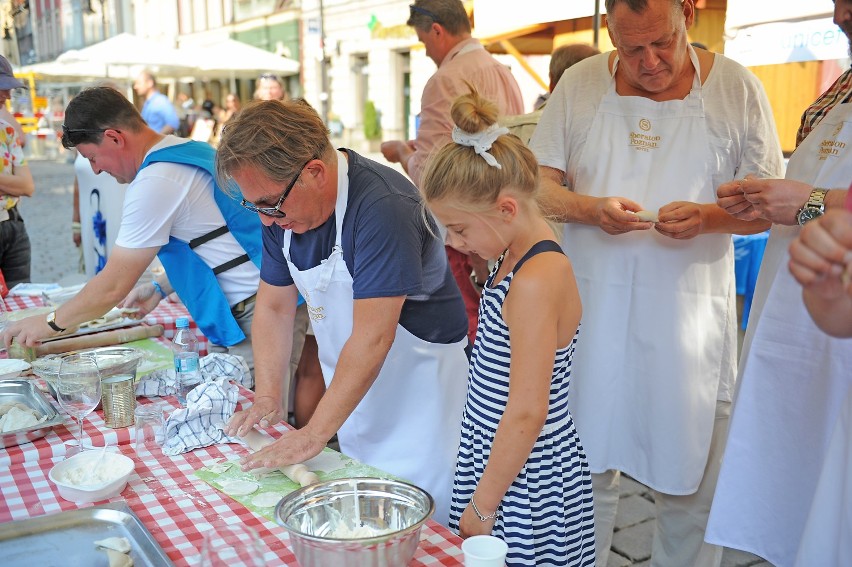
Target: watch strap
x,y
817,198
815,202
51,321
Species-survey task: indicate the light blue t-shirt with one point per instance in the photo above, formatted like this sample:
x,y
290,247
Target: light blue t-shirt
x,y
158,111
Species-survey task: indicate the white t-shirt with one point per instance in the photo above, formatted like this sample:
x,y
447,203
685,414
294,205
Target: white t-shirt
x,y
739,124
169,199
738,114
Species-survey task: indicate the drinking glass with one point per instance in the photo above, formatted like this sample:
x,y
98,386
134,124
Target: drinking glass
x,y
231,545
78,387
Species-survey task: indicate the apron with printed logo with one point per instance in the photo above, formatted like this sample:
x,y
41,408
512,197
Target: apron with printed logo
x,y
409,421
659,314
793,381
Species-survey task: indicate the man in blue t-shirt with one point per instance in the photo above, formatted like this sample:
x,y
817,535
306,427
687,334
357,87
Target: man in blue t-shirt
x,y
157,111
353,237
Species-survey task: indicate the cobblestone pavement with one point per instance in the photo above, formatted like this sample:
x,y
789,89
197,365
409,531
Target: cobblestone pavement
x,y
48,218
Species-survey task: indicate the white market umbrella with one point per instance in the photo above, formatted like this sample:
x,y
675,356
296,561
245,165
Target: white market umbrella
x,y
234,57
127,51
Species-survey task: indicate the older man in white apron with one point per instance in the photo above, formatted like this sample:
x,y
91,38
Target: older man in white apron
x,y
654,127
389,321
793,377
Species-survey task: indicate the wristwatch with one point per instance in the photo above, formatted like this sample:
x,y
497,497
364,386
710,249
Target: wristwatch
x,y
51,320
815,207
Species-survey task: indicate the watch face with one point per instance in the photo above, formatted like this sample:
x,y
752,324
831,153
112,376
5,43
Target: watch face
x,y
809,214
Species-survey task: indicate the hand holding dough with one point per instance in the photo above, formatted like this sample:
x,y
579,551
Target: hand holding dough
x,y
647,216
298,473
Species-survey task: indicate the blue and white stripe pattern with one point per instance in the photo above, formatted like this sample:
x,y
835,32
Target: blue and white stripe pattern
x,y
547,514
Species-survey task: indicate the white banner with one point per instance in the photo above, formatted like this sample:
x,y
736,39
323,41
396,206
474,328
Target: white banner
x,y
787,42
742,13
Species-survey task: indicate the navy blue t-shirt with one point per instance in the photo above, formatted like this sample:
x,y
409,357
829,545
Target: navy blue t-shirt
x,y
388,249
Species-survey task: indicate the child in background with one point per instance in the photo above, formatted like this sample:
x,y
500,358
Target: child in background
x,y
522,473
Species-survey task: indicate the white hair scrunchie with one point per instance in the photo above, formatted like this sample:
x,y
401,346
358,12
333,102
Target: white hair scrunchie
x,y
481,142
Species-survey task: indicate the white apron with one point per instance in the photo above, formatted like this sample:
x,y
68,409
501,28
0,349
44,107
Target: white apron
x,y
659,331
793,381
409,422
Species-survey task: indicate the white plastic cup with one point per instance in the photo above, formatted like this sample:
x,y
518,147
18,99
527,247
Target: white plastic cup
x,y
484,551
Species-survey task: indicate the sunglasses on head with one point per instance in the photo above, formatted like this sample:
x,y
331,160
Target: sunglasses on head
x,y
417,10
74,136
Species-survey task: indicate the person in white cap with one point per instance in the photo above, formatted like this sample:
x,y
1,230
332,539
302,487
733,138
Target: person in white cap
x,y
16,181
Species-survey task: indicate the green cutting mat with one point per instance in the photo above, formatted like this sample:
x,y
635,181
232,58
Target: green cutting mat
x,y
157,356
328,465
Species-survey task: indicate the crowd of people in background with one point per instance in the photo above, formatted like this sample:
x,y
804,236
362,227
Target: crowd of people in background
x,y
616,350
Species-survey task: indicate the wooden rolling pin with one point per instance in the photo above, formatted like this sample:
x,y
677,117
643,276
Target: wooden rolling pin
x,y
298,473
106,338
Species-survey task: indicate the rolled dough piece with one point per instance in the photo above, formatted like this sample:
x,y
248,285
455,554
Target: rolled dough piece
x,y
119,544
647,216
298,473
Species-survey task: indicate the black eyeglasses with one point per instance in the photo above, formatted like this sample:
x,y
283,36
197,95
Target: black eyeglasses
x,y
73,136
275,211
415,10
270,76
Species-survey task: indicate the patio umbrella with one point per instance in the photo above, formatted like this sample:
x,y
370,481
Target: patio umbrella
x,y
237,58
124,53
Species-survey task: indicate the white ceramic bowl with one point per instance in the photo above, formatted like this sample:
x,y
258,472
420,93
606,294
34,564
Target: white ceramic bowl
x,y
91,476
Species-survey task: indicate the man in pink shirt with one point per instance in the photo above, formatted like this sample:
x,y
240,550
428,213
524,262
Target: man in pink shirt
x,y
444,28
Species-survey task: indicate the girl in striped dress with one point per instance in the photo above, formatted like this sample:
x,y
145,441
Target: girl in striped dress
x,y
521,473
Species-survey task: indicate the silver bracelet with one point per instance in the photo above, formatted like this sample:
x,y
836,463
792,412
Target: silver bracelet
x,y
484,517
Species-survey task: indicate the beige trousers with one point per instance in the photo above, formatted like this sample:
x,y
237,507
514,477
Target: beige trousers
x,y
681,520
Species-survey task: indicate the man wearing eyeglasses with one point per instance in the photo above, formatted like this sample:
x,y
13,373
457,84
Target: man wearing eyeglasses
x,y
444,29
208,244
353,237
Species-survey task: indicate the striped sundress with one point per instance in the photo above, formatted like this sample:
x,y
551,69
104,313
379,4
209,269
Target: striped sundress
x,y
546,517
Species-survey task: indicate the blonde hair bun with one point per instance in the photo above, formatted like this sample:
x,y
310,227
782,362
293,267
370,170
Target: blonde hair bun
x,y
472,112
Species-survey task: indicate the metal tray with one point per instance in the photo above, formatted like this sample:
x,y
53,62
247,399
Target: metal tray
x,y
67,538
26,392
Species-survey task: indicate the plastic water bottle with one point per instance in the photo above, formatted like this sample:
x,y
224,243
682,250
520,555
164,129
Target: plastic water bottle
x,y
187,371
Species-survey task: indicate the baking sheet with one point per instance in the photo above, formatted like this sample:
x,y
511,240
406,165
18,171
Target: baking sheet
x,y
25,392
67,538
328,465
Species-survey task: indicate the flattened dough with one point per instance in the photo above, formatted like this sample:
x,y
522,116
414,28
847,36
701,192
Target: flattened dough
x,y
238,487
266,499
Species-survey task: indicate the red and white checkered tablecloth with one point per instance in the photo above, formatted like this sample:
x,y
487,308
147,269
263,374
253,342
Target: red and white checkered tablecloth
x,y
173,504
166,314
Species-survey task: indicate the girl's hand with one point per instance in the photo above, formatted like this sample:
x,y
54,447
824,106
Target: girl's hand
x,y
471,525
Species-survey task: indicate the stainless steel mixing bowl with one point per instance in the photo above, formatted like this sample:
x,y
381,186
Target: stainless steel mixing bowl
x,y
315,516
